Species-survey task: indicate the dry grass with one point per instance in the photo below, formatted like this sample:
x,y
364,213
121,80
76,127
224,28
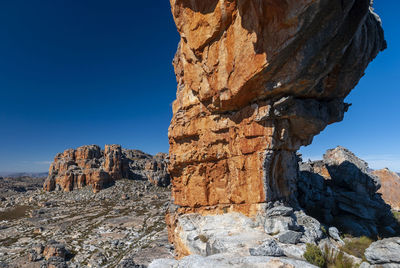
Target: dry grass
x,y
328,258
357,246
203,238
337,260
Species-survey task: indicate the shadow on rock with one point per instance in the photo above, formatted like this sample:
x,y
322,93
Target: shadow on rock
x,y
340,191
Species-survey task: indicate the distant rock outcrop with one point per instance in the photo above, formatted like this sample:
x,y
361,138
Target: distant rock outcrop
x,y
256,81
339,190
89,165
390,188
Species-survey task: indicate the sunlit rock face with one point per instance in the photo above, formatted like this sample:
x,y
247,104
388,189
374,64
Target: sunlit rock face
x,y
90,166
256,81
390,189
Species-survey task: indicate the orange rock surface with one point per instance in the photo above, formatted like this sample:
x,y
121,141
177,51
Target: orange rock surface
x,y
390,187
257,80
89,165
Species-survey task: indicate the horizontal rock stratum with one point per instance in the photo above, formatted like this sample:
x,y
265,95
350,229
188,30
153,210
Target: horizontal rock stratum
x,y
89,165
256,81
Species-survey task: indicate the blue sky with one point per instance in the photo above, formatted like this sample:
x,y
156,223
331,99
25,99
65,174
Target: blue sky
x,y
78,72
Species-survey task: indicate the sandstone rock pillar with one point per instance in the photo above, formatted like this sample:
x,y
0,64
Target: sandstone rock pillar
x,y
256,81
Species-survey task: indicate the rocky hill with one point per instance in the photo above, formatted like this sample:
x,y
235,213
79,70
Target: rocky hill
x,y
89,165
340,191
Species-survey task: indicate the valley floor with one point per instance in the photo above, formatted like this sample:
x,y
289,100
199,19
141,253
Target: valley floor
x,y
118,225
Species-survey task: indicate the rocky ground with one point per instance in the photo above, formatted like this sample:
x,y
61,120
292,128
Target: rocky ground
x,y
119,226
10,186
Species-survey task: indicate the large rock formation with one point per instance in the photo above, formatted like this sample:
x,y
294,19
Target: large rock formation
x,y
257,80
89,165
339,190
390,189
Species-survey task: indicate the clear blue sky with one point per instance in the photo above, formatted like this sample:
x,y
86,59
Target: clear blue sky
x,y
75,72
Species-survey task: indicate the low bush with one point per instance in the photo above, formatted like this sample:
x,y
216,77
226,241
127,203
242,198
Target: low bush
x,y
396,214
314,255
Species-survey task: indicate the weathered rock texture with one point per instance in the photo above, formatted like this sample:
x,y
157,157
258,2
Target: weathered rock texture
x,y
339,190
384,253
390,189
230,261
257,80
89,165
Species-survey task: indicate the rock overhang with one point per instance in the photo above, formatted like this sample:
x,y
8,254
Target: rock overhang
x,y
256,81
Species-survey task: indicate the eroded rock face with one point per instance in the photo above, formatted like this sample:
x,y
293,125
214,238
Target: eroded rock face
x,y
257,80
390,189
339,190
89,165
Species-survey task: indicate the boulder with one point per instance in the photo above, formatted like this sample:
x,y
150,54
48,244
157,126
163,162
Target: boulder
x,y
290,237
89,165
384,252
35,253
334,233
33,256
277,225
310,226
267,248
55,249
